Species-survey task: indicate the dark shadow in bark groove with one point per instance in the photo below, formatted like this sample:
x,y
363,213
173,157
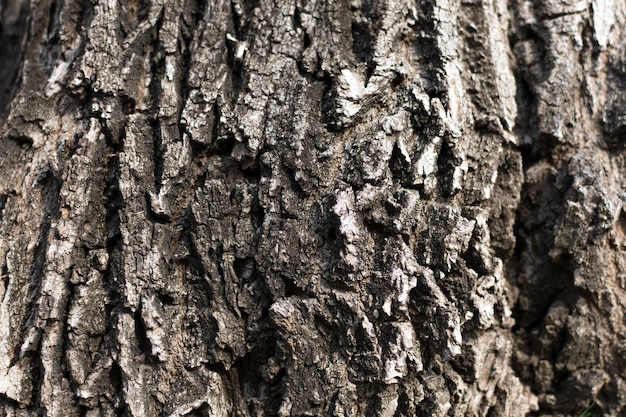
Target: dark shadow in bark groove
x,y
328,110
37,376
237,70
142,338
12,403
86,16
65,365
158,153
254,380
362,46
50,189
14,23
326,227
446,163
113,275
54,52
3,202
5,280
242,16
116,378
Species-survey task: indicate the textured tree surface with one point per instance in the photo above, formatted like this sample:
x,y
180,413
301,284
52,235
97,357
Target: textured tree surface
x,y
325,208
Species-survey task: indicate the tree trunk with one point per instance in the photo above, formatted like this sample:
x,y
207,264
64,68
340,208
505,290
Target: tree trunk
x,y
327,208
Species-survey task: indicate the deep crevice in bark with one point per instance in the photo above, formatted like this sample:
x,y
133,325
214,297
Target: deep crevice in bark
x,y
50,189
14,24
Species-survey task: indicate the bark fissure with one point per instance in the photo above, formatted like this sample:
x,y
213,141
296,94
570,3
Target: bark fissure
x,y
13,30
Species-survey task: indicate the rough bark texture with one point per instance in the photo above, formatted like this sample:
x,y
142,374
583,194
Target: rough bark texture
x,y
325,208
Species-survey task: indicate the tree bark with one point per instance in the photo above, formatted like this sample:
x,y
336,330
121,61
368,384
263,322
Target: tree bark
x,y
327,208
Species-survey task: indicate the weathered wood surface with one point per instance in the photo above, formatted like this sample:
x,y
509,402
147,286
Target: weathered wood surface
x,y
326,208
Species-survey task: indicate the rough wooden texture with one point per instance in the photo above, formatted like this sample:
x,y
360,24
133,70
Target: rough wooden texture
x,y
326,208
